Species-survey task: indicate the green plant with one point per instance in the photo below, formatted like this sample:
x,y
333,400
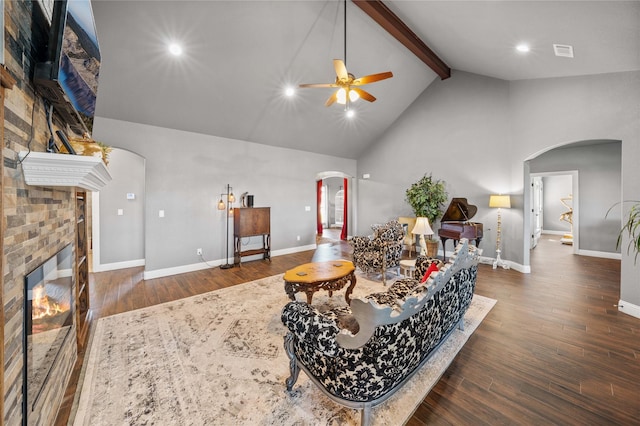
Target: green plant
x,y
106,149
427,197
631,227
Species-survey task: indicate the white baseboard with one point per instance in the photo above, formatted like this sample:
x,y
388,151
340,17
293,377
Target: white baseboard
x,y
291,250
512,265
165,272
629,308
520,268
603,254
182,269
103,267
544,231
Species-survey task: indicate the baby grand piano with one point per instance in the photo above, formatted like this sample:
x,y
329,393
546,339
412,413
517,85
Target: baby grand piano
x,y
455,224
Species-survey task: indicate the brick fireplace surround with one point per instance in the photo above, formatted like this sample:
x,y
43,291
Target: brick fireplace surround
x,y
38,221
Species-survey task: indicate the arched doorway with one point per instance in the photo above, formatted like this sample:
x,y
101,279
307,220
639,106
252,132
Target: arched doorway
x,y
598,164
334,204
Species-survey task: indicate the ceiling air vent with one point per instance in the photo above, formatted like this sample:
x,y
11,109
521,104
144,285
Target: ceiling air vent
x,y
564,50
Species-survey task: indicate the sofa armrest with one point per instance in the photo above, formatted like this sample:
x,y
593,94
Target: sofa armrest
x,y
308,325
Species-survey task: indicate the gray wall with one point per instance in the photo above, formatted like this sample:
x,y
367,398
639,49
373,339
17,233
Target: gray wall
x,y
477,132
186,173
599,183
555,188
456,130
551,112
122,237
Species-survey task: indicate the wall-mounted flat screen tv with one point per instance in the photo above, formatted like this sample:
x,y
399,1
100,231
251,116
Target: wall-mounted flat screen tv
x,y
69,77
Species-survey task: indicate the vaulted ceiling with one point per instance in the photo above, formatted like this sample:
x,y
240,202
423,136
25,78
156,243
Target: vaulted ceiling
x,y
239,56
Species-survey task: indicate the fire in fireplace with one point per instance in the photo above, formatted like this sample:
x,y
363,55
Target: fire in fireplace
x,y
48,320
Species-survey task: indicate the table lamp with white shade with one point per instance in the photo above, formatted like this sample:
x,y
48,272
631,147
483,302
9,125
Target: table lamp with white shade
x,y
422,228
499,202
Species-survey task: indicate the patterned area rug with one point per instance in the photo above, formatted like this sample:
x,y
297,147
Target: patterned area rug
x,y
218,359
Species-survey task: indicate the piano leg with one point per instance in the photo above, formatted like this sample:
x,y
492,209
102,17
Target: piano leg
x,y
476,241
444,247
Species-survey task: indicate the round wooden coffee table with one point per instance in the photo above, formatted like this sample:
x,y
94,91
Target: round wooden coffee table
x,y
311,277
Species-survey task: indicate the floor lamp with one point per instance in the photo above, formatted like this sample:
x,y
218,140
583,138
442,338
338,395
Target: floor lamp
x,y
227,207
499,202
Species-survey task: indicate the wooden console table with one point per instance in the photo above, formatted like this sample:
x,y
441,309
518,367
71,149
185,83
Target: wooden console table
x,y
250,222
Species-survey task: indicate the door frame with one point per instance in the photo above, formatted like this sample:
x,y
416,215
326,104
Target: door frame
x,y
575,186
351,196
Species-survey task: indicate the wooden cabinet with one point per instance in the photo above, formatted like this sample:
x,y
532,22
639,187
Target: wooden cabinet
x,y
83,311
251,222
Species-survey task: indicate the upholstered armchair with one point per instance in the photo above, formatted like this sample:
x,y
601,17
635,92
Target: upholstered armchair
x,y
380,252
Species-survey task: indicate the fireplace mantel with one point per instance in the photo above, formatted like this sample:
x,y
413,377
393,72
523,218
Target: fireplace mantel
x,y
48,169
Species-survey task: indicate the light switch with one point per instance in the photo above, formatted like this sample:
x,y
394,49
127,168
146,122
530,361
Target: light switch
x,y
161,213
120,212
307,208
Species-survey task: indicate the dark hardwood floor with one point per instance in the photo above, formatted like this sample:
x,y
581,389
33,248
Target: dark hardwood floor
x,y
553,350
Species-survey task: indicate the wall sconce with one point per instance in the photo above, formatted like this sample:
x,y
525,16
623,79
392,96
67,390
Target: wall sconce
x,y
499,202
227,206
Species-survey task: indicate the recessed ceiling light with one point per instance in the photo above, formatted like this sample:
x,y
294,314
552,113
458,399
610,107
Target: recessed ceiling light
x,y
351,113
175,49
523,48
290,91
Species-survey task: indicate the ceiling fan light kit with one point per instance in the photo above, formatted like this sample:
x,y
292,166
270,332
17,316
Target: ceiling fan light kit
x,y
346,82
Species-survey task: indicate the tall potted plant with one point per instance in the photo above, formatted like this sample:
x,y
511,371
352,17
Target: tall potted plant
x,y
426,198
631,227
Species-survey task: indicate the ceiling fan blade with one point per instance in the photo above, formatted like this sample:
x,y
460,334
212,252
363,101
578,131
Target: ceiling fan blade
x,y
364,95
372,78
318,85
341,69
331,99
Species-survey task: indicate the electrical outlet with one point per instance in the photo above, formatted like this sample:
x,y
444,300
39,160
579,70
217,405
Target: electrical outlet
x,y
298,237
199,252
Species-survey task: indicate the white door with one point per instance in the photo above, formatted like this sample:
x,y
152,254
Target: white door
x,y
536,209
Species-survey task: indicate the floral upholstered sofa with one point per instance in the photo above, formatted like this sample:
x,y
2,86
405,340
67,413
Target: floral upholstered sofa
x,y
396,332
380,252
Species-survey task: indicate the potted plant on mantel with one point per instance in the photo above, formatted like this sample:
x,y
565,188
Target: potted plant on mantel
x,y
90,148
427,197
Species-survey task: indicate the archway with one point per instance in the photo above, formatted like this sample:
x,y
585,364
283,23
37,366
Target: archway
x,y
334,201
598,163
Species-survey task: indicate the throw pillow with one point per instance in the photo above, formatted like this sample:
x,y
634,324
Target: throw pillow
x,y
432,268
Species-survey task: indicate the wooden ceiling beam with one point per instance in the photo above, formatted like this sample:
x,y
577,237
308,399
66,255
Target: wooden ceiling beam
x,y
388,20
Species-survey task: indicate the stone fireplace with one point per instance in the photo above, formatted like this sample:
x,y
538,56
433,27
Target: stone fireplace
x,y
48,322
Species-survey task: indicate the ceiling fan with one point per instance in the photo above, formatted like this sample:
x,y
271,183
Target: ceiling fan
x,y
348,90
347,83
